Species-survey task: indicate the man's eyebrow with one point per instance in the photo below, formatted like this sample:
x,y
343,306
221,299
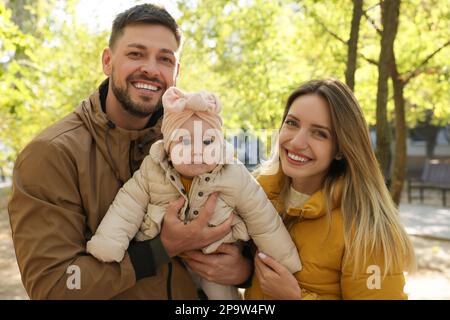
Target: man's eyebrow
x,y
142,47
168,51
313,125
137,45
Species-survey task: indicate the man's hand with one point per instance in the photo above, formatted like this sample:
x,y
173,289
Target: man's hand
x,y
178,237
225,266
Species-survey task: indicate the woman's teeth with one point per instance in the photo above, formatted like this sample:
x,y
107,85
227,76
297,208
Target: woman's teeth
x,y
296,157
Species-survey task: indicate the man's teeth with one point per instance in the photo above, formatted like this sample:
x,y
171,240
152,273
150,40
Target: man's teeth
x,y
297,158
145,86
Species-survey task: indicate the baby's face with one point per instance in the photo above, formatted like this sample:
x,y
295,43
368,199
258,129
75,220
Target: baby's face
x,y
194,148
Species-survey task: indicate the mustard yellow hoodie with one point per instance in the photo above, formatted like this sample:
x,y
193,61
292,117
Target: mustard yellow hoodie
x,y
320,242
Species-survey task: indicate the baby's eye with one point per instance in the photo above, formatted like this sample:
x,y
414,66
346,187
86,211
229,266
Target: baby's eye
x,y
185,141
208,141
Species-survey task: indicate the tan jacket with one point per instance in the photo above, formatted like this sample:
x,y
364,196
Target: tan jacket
x,y
141,204
63,184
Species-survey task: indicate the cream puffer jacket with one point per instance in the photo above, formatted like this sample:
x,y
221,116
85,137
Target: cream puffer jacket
x,y
139,207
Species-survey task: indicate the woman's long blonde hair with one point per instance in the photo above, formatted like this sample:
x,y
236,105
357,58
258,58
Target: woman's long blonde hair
x,y
371,221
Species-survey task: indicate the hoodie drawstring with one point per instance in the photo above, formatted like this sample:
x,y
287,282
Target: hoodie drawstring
x,y
111,125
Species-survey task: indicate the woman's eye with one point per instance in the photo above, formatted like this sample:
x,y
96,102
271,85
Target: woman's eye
x,y
290,122
321,134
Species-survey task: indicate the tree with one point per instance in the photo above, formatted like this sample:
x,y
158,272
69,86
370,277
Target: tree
x,y
12,40
389,17
244,52
400,81
252,53
353,44
426,130
45,72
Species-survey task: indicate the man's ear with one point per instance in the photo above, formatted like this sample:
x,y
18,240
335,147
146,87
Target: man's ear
x,y
176,74
106,61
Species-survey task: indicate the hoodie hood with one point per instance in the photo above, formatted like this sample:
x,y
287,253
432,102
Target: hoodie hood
x,y
117,145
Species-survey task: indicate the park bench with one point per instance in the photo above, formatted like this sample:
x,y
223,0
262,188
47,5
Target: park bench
x,y
435,175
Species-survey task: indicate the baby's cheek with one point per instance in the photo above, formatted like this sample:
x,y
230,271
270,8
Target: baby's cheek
x,y
204,168
182,169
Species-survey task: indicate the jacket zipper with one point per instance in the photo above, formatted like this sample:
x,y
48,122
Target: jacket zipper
x,y
130,155
186,215
189,196
169,281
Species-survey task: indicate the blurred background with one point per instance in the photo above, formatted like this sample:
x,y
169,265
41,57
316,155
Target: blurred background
x,y
394,55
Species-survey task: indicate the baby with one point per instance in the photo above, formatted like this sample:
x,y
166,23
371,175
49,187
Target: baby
x,y
193,161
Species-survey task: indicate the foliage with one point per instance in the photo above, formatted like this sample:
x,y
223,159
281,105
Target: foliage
x,y
253,53
45,73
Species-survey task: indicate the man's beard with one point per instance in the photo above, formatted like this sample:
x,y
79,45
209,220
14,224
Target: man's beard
x,y
140,110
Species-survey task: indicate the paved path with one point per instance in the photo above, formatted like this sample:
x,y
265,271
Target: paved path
x,y
426,220
10,282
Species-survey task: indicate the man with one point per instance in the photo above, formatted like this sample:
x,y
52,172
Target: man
x,y
66,178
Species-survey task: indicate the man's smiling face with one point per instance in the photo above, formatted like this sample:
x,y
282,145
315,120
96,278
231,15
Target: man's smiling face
x,y
141,66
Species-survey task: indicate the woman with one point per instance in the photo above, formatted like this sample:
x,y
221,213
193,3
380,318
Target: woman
x,y
325,181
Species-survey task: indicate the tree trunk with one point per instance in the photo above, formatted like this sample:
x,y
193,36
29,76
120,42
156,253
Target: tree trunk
x,y
400,155
353,44
389,13
431,142
429,132
21,16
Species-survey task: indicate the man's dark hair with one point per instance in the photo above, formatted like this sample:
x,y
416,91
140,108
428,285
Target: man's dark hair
x,y
146,14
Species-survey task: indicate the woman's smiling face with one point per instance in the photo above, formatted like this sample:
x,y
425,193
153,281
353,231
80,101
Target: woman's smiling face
x,y
306,141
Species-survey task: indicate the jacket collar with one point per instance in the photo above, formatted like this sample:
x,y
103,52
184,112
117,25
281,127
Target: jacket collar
x,y
315,206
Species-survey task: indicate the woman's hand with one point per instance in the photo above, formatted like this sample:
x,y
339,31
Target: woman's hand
x,y
275,279
225,266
